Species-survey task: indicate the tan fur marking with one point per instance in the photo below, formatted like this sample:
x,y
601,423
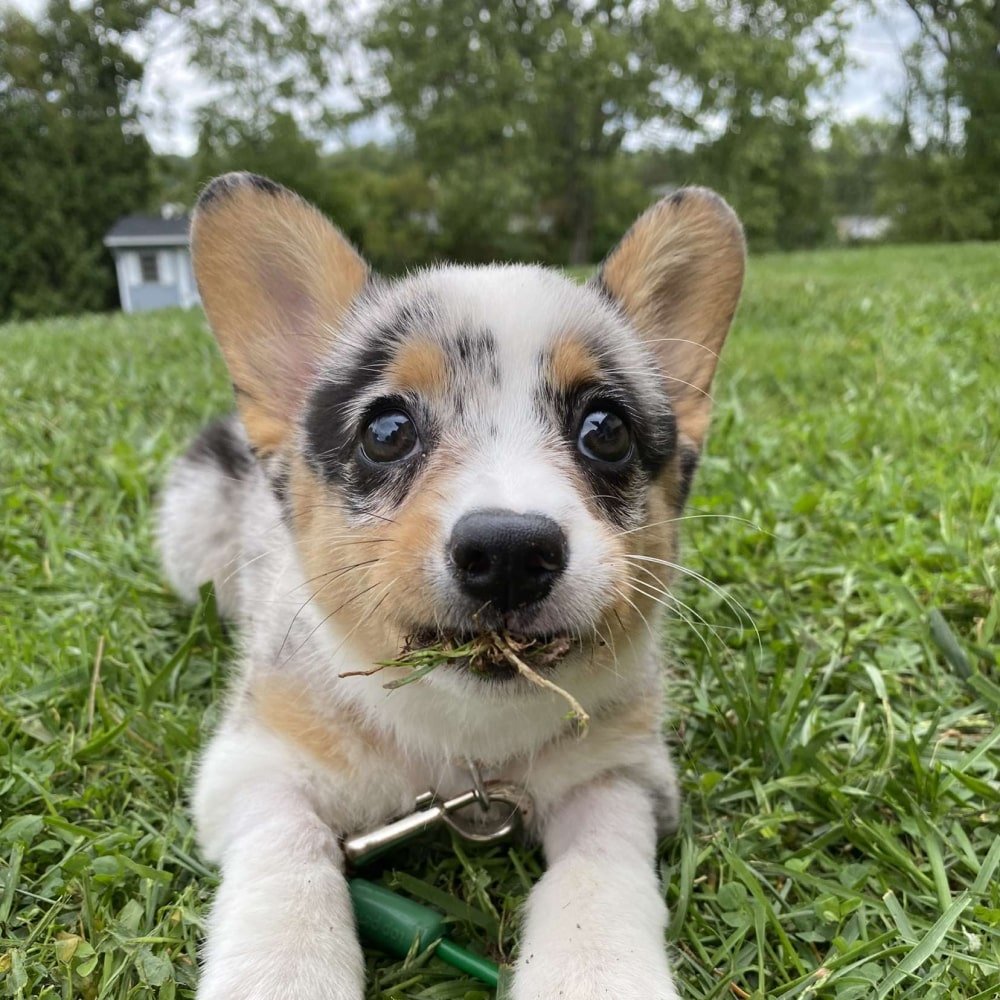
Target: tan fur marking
x,y
265,430
571,364
639,718
678,272
339,560
370,579
286,708
417,532
420,365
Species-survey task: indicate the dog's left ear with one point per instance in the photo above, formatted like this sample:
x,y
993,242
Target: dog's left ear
x,y
678,273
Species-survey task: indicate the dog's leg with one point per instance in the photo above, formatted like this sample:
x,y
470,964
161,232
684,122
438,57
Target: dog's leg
x,y
596,920
281,927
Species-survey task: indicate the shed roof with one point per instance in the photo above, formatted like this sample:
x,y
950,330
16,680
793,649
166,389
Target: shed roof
x,y
148,230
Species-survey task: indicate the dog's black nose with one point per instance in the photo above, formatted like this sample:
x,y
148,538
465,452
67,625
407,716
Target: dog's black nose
x,y
507,559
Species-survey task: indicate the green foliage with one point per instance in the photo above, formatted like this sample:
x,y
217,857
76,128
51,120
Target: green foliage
x,y
72,155
514,109
775,180
523,108
265,58
839,833
947,164
392,217
932,196
758,74
856,162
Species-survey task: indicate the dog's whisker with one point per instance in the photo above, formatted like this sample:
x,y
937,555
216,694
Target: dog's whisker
x,y
335,575
674,604
671,378
386,591
324,620
628,600
667,593
690,517
739,610
248,563
680,614
336,572
683,340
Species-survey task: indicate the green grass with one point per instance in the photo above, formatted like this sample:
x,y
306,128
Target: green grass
x,y
841,829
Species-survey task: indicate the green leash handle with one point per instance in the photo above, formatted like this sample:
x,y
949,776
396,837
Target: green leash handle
x,y
393,923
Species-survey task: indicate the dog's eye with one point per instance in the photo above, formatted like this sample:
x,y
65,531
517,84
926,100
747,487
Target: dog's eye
x,y
389,437
605,437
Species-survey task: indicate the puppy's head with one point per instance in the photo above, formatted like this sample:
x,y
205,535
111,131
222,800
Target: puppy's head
x,y
473,449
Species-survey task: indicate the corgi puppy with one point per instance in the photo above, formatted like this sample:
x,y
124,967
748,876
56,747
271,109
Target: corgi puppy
x,y
457,452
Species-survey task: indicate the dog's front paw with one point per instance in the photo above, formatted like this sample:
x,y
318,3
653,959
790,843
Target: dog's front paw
x,y
595,931
591,974
275,979
307,969
283,932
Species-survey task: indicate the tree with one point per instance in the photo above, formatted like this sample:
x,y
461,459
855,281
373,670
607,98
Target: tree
x,y
264,59
856,160
527,103
948,153
757,64
394,218
72,154
515,107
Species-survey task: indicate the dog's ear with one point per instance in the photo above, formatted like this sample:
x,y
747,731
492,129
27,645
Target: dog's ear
x,y
678,273
276,279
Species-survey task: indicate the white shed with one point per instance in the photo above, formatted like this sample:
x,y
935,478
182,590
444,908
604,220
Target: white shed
x,y
153,262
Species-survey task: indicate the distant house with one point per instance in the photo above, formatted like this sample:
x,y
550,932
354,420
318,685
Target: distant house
x,y
862,228
153,262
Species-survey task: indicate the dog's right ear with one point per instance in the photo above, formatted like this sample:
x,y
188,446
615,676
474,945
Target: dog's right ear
x,y
677,273
276,279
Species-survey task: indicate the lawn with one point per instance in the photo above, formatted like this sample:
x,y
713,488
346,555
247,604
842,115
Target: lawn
x,y
838,741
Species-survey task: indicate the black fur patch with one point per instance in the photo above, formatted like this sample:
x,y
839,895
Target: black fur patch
x,y
689,466
331,430
476,351
221,445
213,192
222,187
649,413
599,285
264,184
336,416
333,434
278,481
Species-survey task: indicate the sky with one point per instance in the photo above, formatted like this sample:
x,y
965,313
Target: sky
x,y
173,90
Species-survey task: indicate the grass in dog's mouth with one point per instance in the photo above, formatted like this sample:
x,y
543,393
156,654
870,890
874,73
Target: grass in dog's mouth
x,y
489,653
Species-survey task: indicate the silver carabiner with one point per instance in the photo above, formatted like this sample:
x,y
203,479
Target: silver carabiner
x,y
508,809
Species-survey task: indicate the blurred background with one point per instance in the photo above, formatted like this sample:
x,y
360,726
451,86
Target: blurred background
x,y
482,129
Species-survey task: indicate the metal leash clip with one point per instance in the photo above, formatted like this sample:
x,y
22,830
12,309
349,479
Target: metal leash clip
x,y
504,808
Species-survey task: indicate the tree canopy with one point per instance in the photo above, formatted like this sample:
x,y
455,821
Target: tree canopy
x,y
72,154
487,129
543,94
